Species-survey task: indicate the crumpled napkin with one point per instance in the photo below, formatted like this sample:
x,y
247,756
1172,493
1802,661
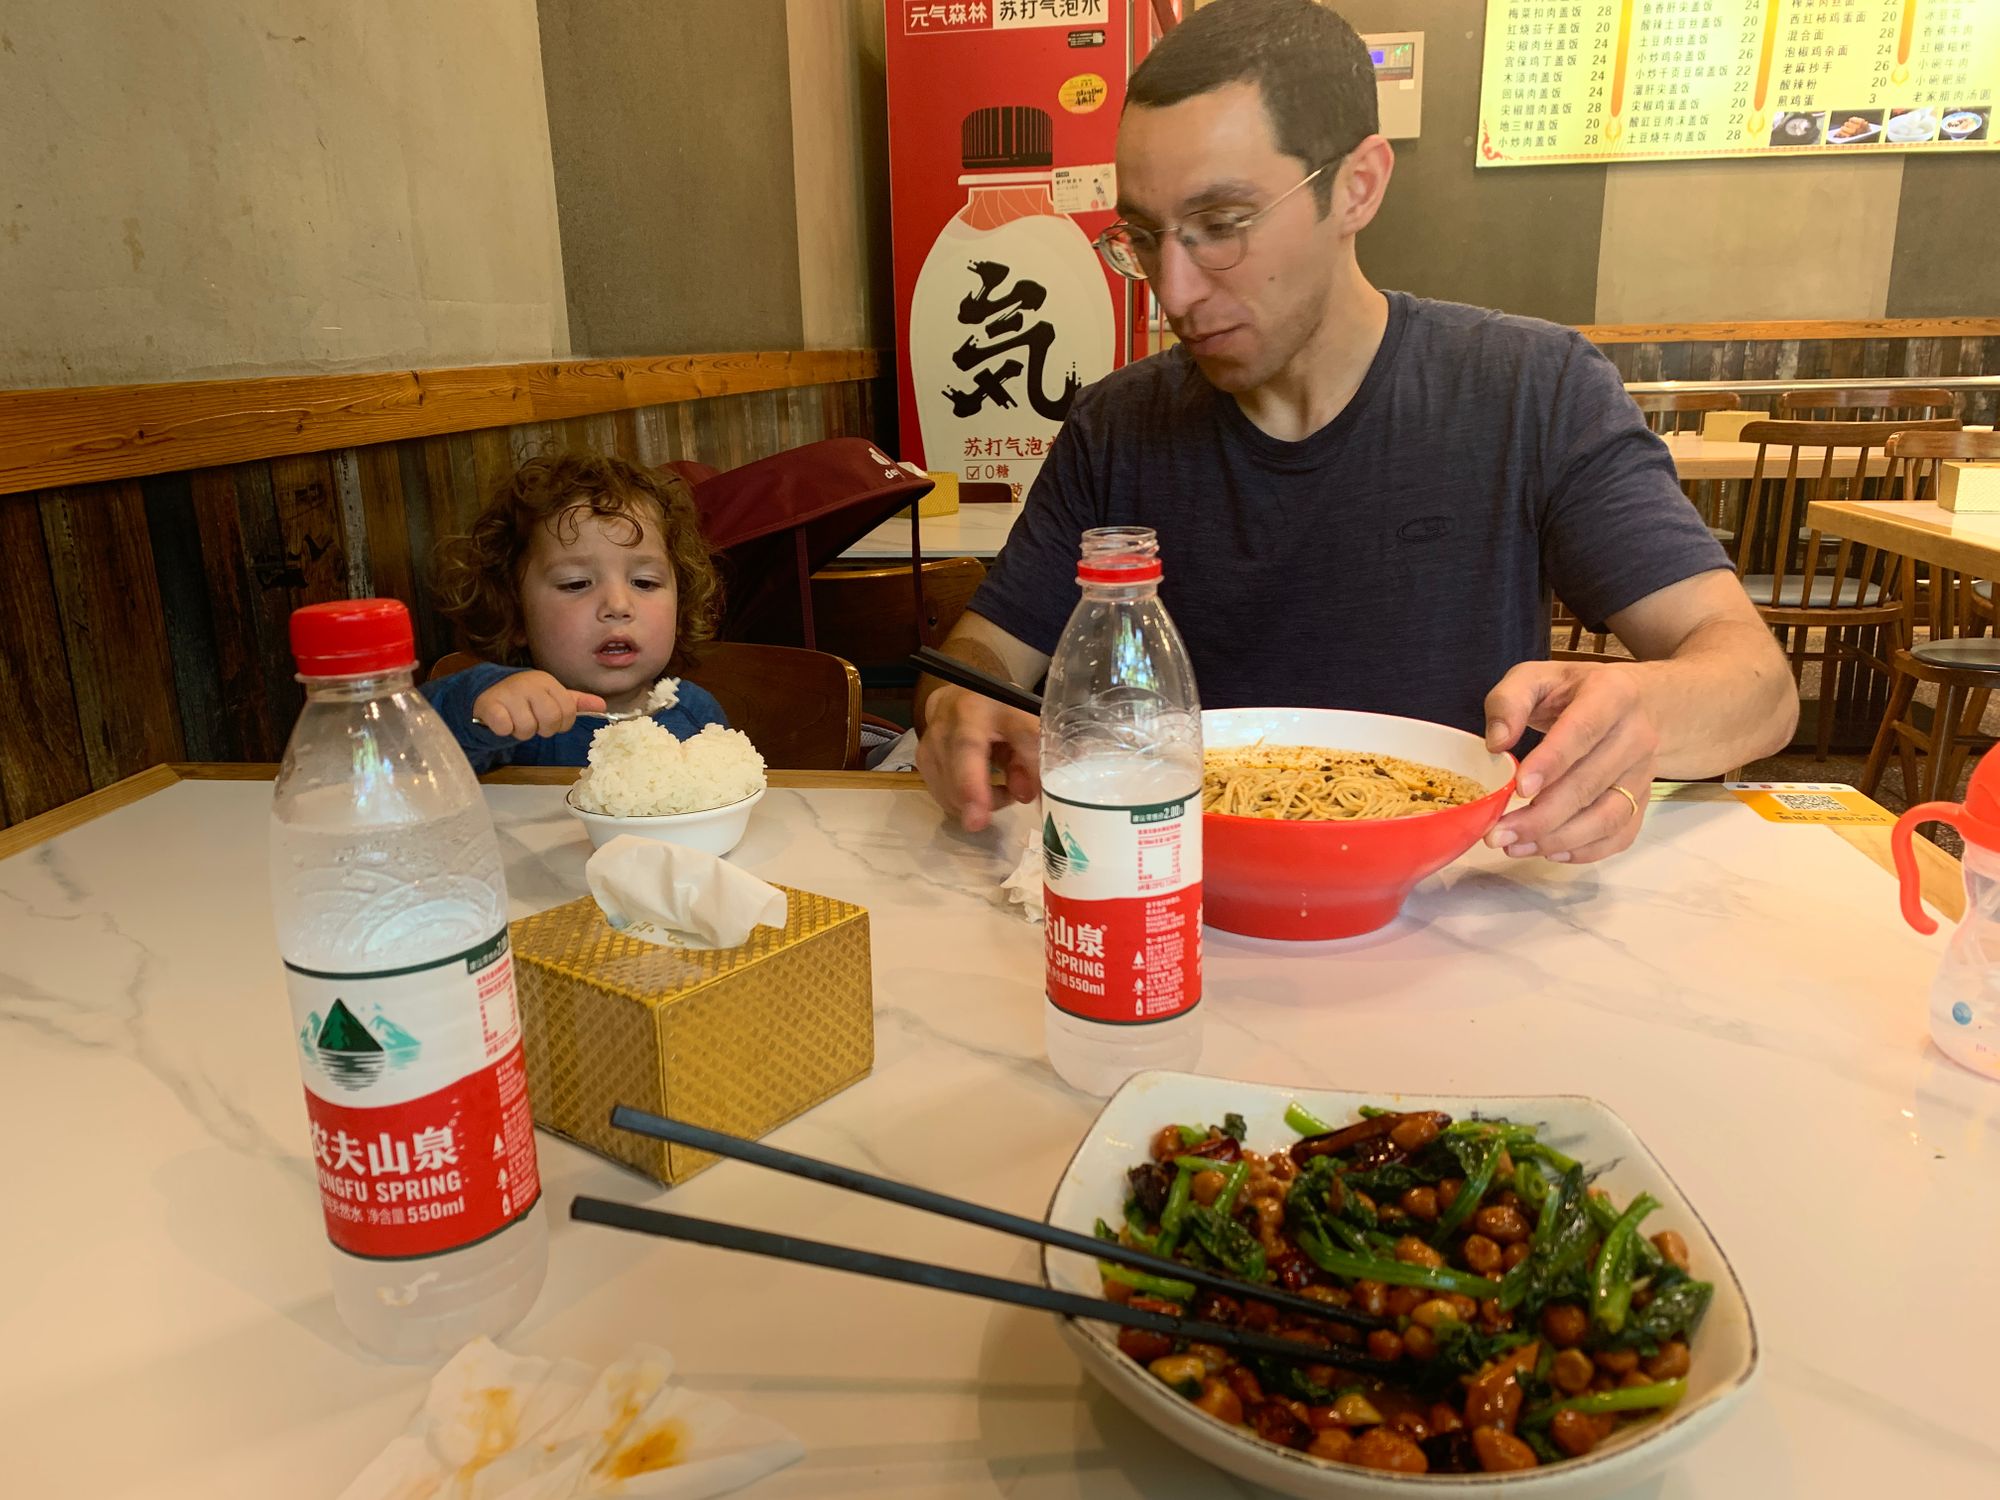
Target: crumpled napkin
x,y
679,897
497,1426
1024,886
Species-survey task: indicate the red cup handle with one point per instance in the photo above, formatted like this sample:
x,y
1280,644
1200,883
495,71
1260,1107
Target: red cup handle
x,y
1906,857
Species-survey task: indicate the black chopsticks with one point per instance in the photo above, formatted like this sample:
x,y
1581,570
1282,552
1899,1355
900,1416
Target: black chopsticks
x,y
698,1231
950,669
969,1283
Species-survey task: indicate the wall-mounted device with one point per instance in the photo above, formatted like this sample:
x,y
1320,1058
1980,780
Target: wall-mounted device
x,y
1399,81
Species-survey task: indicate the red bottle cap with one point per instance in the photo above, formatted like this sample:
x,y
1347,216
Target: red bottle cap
x,y
351,637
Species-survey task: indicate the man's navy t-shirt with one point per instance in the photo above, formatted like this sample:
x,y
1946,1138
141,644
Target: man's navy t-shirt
x,y
1399,559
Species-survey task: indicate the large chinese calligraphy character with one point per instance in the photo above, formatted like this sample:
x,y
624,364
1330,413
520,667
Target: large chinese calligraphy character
x,y
1000,317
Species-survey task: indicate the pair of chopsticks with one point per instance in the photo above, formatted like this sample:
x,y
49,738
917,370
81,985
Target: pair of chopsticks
x,y
950,669
968,1283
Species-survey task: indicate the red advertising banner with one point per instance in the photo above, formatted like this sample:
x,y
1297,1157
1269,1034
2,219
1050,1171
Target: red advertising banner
x,y
1003,115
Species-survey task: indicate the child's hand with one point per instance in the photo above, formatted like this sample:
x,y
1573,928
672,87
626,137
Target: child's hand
x,y
525,705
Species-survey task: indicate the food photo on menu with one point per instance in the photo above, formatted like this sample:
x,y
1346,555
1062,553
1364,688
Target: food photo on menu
x,y
1853,127
1912,127
1797,128
1966,124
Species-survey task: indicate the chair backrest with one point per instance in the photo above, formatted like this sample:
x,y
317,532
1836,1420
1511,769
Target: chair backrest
x,y
870,615
1947,604
1864,403
801,709
1798,463
1681,411
450,662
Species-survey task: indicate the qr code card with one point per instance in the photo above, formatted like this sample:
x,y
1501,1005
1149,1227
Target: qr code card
x,y
1810,802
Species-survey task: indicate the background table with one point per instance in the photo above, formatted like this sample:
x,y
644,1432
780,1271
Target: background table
x,y
1742,992
1968,543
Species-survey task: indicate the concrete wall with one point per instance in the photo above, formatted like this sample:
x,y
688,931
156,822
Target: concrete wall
x,y
840,153
227,187
671,128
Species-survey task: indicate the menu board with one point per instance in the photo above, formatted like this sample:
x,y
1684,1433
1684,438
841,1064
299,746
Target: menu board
x,y
1650,80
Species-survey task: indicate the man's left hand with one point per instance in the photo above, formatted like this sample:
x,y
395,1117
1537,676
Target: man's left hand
x,y
1588,781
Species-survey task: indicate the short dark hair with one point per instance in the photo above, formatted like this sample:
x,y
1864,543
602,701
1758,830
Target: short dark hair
x,y
1314,73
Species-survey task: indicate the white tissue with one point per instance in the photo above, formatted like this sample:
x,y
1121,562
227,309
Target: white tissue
x,y
1024,886
679,897
497,1427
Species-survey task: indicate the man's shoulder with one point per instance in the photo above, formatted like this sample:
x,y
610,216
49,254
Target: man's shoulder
x,y
1482,333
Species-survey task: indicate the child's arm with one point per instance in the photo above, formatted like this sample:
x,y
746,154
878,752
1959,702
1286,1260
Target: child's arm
x,y
512,704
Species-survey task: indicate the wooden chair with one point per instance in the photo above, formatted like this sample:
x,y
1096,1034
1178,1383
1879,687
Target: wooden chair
x,y
1803,583
801,709
869,615
1682,411
1959,656
1864,403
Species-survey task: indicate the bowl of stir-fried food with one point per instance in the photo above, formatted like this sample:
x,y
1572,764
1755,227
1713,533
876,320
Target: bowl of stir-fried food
x,y
1517,1292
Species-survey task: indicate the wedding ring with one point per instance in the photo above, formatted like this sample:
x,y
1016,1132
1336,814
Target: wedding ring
x,y
1627,796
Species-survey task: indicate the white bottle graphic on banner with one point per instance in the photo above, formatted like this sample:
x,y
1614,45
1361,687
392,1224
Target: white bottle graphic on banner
x,y
1011,316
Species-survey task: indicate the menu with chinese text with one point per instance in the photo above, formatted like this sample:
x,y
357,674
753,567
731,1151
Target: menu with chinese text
x,y
1649,80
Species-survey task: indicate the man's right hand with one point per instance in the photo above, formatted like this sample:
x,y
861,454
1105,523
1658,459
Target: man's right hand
x,y
965,736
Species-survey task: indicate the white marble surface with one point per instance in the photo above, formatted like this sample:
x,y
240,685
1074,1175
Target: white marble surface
x,y
1741,992
970,531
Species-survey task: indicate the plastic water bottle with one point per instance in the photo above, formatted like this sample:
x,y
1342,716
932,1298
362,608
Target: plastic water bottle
x,y
391,911
1121,826
1965,996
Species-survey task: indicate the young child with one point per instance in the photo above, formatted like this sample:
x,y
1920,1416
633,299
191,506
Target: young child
x,y
580,583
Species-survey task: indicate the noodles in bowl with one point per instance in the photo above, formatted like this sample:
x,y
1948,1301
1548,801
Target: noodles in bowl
x,y
1309,783
1318,822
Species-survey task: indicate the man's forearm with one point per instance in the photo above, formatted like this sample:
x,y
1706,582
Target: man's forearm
x,y
1723,698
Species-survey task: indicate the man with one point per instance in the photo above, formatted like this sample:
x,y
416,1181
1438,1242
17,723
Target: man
x,y
1362,498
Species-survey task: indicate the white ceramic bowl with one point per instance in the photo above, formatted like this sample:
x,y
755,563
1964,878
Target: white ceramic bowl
x,y
1093,1187
716,829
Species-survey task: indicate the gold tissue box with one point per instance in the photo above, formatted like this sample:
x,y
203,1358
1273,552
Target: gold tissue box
x,y
1727,426
943,497
1969,487
736,1039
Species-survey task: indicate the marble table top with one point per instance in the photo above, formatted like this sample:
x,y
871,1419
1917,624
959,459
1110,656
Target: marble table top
x,y
1742,992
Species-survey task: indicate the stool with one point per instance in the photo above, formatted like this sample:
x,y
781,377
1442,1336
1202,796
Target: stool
x,y
1965,671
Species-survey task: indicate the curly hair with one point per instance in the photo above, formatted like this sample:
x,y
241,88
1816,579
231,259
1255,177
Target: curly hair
x,y
479,573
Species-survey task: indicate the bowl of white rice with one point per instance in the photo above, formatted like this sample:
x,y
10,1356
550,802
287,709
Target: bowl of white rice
x,y
643,781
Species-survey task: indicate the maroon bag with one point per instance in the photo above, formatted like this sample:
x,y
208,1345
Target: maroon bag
x,y
772,522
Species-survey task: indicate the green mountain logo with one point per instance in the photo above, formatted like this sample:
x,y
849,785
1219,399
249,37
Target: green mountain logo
x,y
353,1053
1061,854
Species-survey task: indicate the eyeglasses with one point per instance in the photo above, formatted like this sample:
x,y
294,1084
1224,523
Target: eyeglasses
x,y
1213,238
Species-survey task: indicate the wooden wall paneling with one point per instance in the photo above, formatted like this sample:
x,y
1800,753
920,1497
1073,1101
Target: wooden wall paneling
x,y
659,435
280,585
767,431
1878,358
625,435
79,435
102,561
598,432
251,649
42,762
387,522
1760,361
353,523
460,500
182,578
434,631
309,519
493,464
531,440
